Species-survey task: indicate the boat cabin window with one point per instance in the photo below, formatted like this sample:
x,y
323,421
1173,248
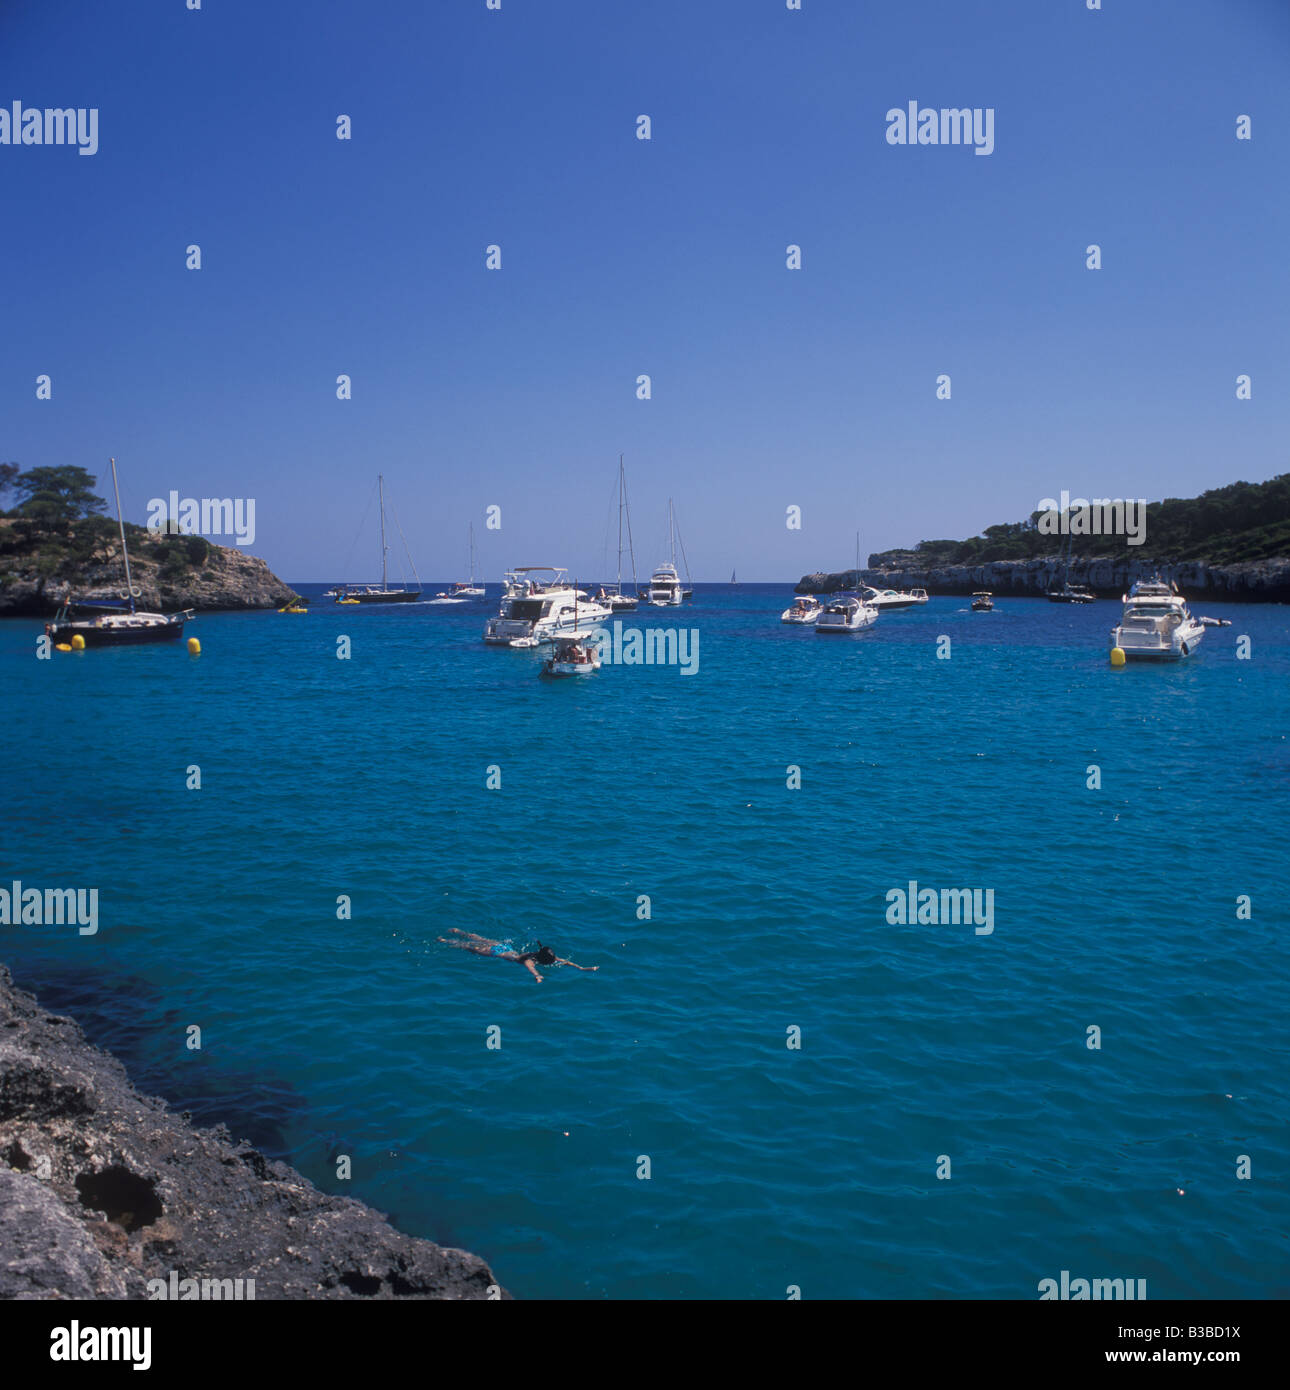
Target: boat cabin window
x,y
529,608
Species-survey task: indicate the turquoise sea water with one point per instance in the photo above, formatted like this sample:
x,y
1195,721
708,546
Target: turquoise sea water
x,y
770,1167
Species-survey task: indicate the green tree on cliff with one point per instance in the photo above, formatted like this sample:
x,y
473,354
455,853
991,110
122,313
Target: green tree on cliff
x,y
56,495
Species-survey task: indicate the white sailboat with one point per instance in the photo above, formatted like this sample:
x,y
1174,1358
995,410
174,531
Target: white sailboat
x,y
619,601
467,588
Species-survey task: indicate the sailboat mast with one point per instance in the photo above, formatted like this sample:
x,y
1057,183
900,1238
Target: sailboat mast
x,y
620,523
472,554
631,548
380,484
120,521
684,558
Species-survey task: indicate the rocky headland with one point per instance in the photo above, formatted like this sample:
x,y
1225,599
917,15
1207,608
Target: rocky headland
x,y
103,1190
40,567
1254,581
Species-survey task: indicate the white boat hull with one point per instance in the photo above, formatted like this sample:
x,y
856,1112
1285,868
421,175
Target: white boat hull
x,y
889,600
1152,647
527,632
859,618
571,668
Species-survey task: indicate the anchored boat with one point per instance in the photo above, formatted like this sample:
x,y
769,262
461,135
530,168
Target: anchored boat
x,y
665,589
369,593
846,613
1156,623
575,654
803,611
538,609
464,589
617,600
109,624
887,599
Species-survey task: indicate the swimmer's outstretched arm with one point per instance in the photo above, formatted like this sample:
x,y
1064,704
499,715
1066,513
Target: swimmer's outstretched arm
x,y
533,970
561,961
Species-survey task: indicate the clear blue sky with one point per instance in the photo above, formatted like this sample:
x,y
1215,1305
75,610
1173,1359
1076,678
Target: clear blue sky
x,y
621,257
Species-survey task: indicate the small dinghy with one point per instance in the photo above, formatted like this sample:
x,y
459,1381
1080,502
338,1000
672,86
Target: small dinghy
x,y
575,654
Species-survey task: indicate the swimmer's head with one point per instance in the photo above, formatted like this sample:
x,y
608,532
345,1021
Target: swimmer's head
x,y
544,955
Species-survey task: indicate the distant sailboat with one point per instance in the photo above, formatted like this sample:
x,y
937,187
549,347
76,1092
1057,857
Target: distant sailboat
x,y
467,588
733,580
369,593
619,601
1070,593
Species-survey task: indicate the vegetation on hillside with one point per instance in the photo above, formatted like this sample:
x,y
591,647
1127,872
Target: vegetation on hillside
x,y
1243,521
59,526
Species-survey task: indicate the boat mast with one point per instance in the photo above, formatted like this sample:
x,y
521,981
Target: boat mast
x,y
472,555
120,521
631,549
380,484
684,558
620,523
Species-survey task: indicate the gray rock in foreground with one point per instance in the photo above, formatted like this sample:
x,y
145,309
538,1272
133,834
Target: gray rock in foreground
x,y
134,1192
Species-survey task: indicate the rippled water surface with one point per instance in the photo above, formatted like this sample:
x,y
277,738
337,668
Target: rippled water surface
x,y
769,1166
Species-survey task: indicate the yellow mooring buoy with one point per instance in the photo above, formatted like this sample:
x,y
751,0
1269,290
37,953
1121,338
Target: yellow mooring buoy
x,y
78,642
194,647
1117,656
63,646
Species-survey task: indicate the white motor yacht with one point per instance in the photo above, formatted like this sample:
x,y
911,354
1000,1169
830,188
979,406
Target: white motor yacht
x,y
665,586
846,613
803,611
1156,623
886,599
539,604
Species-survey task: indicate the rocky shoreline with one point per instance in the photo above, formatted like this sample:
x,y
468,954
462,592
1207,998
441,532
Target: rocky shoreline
x,y
1256,581
171,571
104,1192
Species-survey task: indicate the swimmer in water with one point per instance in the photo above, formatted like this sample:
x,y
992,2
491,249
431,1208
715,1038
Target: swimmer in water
x,y
486,946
